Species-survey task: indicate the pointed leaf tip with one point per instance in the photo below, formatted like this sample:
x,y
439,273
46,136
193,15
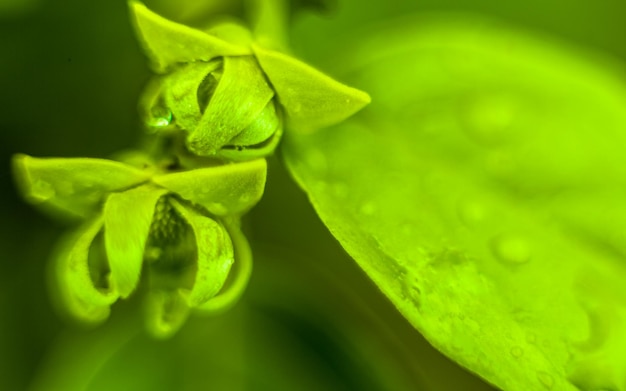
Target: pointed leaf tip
x,y
311,99
168,43
71,186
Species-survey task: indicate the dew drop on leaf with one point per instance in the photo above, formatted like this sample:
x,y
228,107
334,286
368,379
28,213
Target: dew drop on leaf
x,y
43,190
160,117
470,213
317,160
340,190
517,352
511,249
487,119
368,208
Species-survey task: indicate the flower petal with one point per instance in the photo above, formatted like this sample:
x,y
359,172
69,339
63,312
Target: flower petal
x,y
76,290
166,312
239,98
127,219
215,255
169,43
181,92
311,99
72,186
231,189
240,273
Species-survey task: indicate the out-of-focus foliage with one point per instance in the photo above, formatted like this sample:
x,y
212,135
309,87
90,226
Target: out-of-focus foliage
x,y
483,192
71,75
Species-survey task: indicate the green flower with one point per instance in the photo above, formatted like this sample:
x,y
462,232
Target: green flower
x,y
175,232
229,94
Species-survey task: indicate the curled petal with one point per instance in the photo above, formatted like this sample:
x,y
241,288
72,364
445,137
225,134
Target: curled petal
x,y
76,291
127,219
214,252
181,92
259,139
72,186
239,276
230,189
311,99
166,312
169,43
239,98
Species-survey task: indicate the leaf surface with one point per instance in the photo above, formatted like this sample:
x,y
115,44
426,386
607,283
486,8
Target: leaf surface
x,y
483,192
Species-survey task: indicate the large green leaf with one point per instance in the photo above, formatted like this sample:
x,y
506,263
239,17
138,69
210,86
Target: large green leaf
x,y
483,191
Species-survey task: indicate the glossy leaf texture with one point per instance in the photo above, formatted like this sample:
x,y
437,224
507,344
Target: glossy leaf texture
x,y
483,191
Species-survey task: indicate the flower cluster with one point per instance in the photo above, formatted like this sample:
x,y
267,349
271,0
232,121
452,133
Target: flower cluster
x,y
165,220
178,229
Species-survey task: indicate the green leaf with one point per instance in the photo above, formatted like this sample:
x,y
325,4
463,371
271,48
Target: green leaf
x,y
230,189
214,252
169,43
483,192
127,220
240,97
311,99
72,186
76,290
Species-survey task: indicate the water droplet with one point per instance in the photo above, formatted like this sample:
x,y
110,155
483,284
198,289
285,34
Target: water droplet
x,y
546,379
487,118
517,352
531,339
42,190
368,208
511,249
470,213
159,117
316,160
340,190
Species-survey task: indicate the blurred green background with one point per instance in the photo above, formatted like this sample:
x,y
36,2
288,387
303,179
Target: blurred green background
x,y
70,75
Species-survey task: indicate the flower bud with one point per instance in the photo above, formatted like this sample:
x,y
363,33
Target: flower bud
x,y
225,106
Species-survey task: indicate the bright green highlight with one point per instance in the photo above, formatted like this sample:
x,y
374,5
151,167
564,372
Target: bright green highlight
x,y
175,226
230,94
483,192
